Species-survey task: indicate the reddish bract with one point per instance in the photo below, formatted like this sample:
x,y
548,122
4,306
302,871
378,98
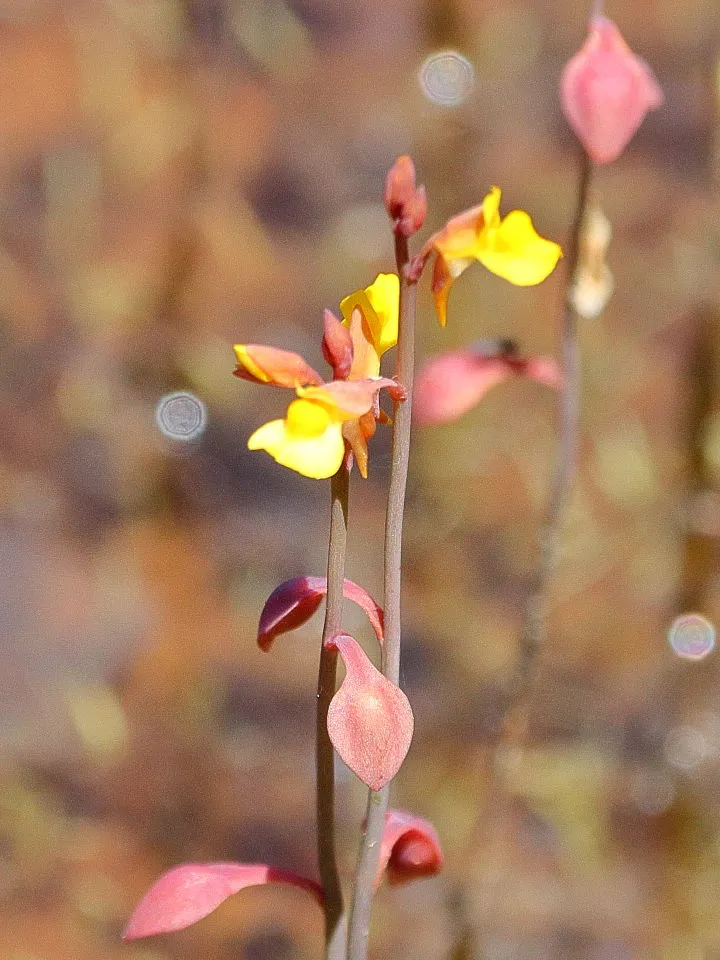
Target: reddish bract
x,y
606,91
370,721
337,345
405,203
186,894
453,383
409,849
293,603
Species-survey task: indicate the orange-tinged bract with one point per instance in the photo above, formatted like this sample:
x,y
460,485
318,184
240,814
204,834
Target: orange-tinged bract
x,y
606,91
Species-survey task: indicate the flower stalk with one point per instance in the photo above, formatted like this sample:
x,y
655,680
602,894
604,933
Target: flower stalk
x,y
335,920
377,803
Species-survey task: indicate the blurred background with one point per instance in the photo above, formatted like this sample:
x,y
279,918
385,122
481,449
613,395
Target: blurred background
x,y
180,175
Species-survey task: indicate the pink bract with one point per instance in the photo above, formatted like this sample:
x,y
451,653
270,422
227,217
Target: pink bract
x,y
186,894
606,91
370,721
293,603
409,849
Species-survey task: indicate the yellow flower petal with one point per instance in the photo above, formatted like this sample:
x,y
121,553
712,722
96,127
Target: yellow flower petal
x,y
491,208
308,440
515,252
379,304
384,297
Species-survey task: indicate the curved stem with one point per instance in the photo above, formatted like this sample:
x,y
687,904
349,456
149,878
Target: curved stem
x,y
377,803
335,920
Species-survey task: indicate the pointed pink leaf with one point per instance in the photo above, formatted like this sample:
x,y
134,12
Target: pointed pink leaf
x,y
186,894
280,368
355,397
606,91
293,603
370,721
453,383
409,849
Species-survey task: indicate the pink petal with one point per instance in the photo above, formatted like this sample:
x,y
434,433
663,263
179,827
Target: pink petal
x,y
453,383
293,603
352,396
370,721
186,894
409,849
606,91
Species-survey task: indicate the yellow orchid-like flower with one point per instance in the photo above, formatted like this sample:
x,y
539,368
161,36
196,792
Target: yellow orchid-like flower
x,y
312,437
507,246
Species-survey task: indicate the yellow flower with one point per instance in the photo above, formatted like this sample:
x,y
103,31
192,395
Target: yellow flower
x,y
309,439
509,247
372,317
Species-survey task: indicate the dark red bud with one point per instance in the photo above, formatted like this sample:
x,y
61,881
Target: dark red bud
x,y
405,203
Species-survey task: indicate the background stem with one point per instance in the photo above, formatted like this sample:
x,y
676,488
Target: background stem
x,y
335,920
377,804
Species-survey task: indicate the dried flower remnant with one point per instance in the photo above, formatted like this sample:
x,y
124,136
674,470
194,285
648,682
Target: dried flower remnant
x,y
606,91
188,893
453,383
593,283
509,247
370,721
409,849
292,604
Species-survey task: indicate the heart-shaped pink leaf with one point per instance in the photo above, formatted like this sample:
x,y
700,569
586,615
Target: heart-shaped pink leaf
x,y
370,721
409,849
606,91
453,383
293,603
186,894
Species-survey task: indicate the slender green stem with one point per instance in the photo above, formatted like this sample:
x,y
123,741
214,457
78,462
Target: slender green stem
x,y
335,919
364,890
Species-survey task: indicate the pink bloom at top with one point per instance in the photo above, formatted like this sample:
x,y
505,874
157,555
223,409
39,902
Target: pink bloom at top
x,y
606,91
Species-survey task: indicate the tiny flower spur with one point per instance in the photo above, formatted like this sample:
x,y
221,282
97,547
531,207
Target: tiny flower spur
x,y
507,246
606,91
293,603
453,383
188,893
370,721
409,849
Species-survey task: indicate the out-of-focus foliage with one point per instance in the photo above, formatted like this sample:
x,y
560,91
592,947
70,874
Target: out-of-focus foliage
x,y
180,175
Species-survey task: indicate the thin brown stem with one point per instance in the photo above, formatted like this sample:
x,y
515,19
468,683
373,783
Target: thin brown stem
x,y
510,727
535,621
364,890
335,919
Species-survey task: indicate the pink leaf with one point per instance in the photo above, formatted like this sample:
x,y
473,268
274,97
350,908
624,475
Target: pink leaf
x,y
370,721
186,894
453,383
293,603
409,849
606,91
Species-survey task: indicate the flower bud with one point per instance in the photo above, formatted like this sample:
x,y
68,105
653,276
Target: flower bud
x,y
606,91
337,345
405,203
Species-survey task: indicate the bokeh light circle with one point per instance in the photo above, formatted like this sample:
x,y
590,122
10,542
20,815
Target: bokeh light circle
x,y
447,78
181,416
692,636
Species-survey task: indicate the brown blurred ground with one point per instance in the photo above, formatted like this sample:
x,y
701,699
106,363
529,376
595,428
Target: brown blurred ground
x,y
178,176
